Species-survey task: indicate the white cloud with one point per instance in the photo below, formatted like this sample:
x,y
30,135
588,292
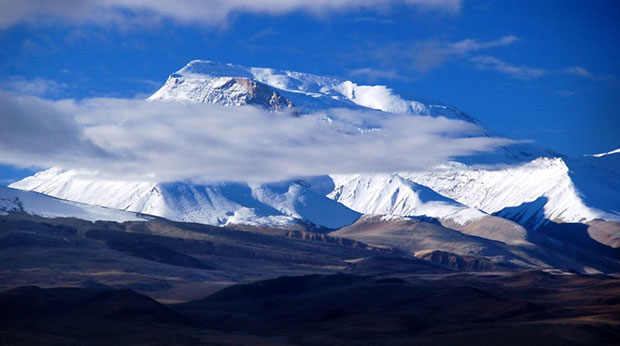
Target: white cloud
x,y
185,11
486,62
176,141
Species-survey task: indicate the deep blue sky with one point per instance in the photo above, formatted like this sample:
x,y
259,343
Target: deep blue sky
x,y
554,77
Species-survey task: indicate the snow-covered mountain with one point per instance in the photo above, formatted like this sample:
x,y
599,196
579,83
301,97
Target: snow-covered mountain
x,y
520,182
235,85
34,203
227,203
532,193
228,91
302,93
390,194
555,189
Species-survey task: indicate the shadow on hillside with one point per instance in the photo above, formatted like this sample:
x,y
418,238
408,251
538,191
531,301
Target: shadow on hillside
x,y
595,179
577,234
523,215
574,238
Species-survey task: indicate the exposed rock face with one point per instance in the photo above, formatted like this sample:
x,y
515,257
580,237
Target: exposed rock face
x,y
228,91
452,260
262,95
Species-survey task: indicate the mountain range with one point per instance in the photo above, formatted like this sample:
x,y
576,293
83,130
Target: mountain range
x,y
495,205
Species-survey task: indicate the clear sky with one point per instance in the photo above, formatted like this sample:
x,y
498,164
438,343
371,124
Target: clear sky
x,y
547,71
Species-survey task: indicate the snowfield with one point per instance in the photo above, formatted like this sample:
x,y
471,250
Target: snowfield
x,y
13,200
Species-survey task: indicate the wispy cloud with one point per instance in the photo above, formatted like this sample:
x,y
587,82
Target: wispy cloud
x,y
201,142
185,11
34,87
472,45
486,62
262,34
566,93
428,56
374,20
425,56
579,71
374,74
432,54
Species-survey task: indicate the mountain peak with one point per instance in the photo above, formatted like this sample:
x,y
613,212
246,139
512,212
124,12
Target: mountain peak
x,y
201,80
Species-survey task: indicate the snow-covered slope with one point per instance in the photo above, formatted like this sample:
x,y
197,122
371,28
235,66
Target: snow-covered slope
x,y
531,193
226,203
394,196
390,194
13,200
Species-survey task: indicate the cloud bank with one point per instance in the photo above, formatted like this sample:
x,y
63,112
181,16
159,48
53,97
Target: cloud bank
x,y
184,11
209,143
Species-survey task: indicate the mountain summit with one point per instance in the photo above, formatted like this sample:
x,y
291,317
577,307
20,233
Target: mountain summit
x,y
236,85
